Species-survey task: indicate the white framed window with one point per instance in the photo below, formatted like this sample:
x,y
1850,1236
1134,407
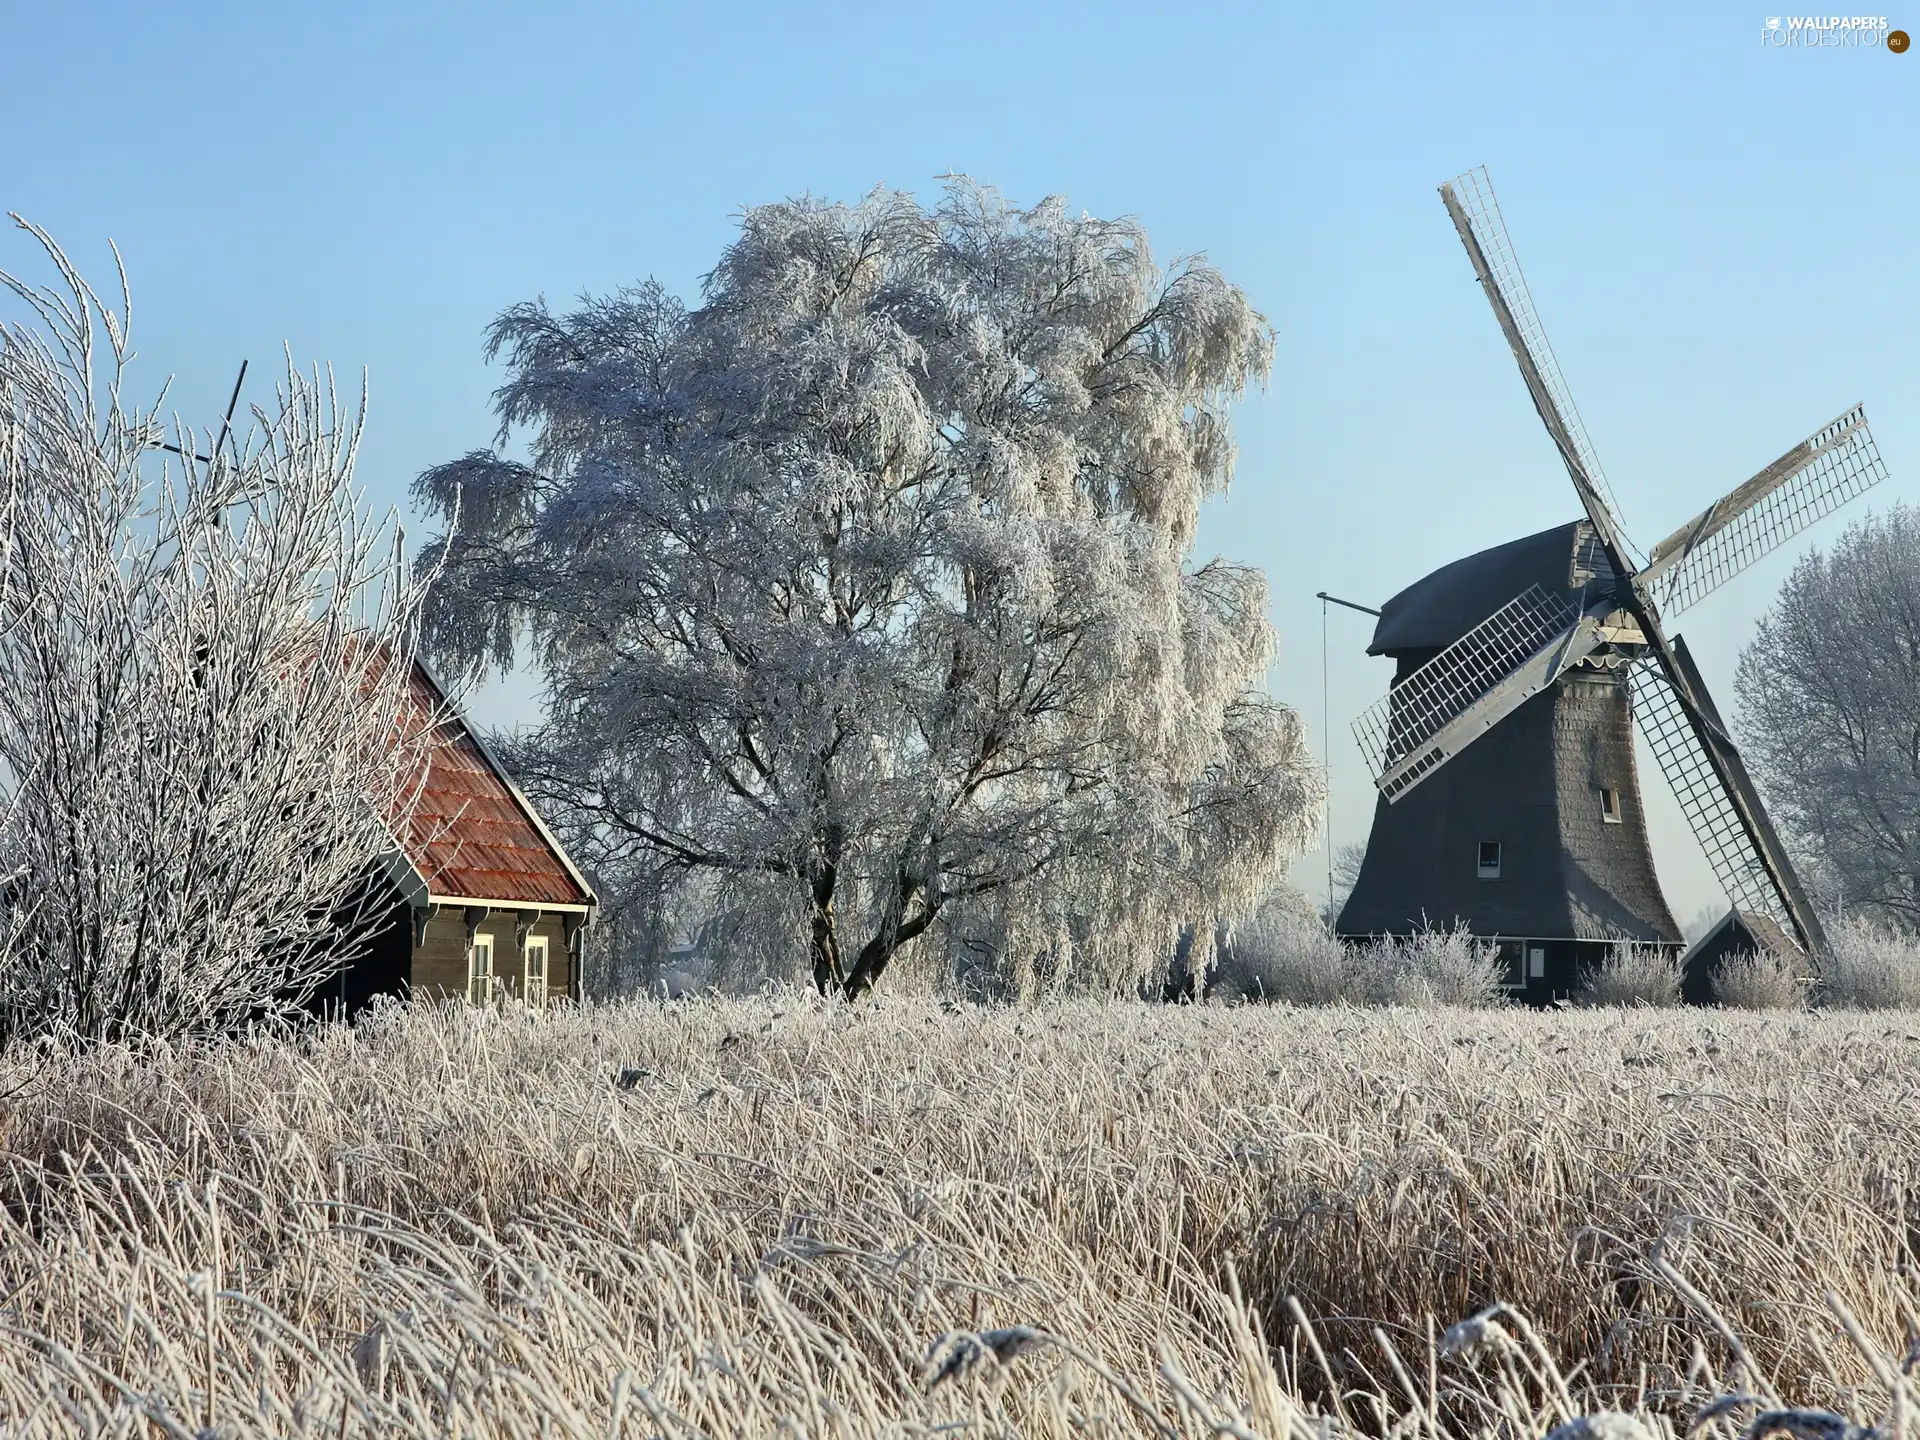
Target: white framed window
x,y
1610,805
1489,859
533,983
1536,962
480,969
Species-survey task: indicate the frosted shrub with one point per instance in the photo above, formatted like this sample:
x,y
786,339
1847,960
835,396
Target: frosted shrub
x,y
1433,967
1282,954
1872,967
1761,980
1285,955
1633,975
208,729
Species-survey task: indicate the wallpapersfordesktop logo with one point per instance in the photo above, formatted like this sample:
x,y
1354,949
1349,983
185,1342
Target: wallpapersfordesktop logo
x,y
1832,32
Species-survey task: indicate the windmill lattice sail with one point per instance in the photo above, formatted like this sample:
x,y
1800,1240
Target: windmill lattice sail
x,y
1737,865
1823,472
1473,192
1430,716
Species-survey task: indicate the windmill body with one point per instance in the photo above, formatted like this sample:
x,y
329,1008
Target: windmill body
x,y
1503,752
1535,835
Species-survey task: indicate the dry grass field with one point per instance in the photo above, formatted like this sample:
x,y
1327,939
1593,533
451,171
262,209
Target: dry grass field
x,y
763,1216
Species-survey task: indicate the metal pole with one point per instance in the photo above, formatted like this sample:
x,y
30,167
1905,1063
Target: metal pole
x,y
1326,730
1326,749
1351,605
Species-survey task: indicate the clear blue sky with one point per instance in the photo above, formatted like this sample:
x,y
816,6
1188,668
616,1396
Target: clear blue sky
x,y
1720,237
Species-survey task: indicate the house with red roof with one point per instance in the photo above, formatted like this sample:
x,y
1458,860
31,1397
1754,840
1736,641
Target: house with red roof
x,y
486,902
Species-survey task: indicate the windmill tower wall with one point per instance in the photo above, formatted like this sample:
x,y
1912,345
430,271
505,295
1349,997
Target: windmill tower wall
x,y
1553,786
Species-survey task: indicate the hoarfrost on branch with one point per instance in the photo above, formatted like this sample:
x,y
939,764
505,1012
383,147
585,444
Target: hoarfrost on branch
x,y
861,599
206,740
1830,699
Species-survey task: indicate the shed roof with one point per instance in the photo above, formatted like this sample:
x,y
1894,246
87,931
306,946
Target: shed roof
x,y
1436,611
473,834
1738,932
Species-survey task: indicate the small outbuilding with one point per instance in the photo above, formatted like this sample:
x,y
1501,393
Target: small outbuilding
x,y
1740,932
486,902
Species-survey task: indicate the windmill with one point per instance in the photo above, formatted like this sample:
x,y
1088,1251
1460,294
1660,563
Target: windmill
x,y
226,427
1507,719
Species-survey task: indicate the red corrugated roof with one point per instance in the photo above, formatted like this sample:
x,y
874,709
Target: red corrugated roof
x,y
470,834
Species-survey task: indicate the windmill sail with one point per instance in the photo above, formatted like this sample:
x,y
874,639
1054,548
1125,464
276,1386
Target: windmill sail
x,y
1815,478
1485,675
1735,859
1476,215
1724,809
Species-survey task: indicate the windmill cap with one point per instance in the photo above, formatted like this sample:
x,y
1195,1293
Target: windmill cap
x,y
1431,614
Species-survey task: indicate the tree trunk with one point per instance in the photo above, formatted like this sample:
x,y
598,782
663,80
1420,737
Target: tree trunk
x,y
894,933
825,949
824,942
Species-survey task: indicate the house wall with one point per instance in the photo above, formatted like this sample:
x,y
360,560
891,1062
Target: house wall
x,y
439,967
1568,963
381,963
382,967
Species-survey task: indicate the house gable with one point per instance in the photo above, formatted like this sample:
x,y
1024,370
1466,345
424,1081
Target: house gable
x,y
473,838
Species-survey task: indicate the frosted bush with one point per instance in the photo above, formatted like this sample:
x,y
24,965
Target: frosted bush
x,y
1433,967
209,726
1287,955
1284,954
1872,967
1633,975
1760,980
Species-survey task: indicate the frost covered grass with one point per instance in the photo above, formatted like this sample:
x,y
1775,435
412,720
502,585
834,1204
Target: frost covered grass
x,y
730,1217
1284,955
1872,967
1634,975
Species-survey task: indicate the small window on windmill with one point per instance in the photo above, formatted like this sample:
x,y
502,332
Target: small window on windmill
x,y
1610,805
1536,962
1489,859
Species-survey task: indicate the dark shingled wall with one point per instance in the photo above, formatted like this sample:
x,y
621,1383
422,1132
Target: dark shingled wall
x,y
1532,783
1607,868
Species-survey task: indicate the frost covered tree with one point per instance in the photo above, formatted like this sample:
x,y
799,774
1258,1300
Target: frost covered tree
x,y
1347,860
861,597
205,732
1830,695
